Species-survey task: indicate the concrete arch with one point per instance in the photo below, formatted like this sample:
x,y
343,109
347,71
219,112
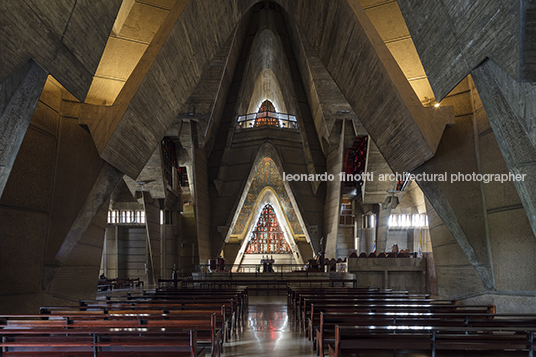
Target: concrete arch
x,y
266,73
267,87
269,196
267,150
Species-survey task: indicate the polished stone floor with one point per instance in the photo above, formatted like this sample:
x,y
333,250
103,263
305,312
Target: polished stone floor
x,y
267,332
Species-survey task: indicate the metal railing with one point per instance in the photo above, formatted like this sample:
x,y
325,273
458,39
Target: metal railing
x,y
273,119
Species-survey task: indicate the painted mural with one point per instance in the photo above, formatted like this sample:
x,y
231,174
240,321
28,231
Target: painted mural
x,y
267,175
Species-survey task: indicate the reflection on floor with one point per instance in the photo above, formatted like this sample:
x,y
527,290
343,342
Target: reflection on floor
x,y
267,332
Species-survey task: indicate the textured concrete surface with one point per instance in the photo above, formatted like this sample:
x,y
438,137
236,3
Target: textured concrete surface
x,y
19,95
406,274
50,35
59,177
382,116
453,37
464,218
516,145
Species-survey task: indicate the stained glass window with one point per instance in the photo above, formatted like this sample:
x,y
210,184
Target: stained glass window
x,y
267,106
267,237
355,160
267,115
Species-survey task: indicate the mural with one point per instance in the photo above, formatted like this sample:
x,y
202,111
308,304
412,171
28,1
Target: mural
x,y
267,175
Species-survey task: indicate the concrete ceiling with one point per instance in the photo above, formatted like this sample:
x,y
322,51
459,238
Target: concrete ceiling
x,y
388,21
139,20
135,26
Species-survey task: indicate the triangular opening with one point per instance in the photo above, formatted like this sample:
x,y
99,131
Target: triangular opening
x,y
268,215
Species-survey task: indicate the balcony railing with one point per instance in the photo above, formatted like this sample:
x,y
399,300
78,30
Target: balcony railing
x,y
273,119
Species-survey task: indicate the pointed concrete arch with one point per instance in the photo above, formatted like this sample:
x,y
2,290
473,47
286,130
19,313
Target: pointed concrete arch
x,y
264,64
267,86
267,150
269,196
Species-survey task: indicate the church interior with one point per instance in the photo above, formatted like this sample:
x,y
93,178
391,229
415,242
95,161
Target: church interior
x,y
249,149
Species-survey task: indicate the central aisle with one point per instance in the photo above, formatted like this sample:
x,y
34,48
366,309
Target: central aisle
x,y
268,332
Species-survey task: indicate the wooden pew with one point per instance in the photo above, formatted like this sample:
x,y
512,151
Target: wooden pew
x,y
207,333
371,305
299,302
236,300
507,341
175,304
227,309
293,292
99,342
128,282
210,311
401,309
221,313
169,300
105,284
326,329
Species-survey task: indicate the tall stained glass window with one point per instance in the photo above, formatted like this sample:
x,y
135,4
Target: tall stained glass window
x,y
267,237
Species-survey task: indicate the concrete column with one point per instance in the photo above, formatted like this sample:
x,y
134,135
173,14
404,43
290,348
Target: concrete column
x,y
110,252
202,206
19,95
367,241
383,229
152,219
333,195
170,243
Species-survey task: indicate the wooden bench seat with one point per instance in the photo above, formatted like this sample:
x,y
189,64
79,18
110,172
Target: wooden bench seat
x,y
325,333
100,342
296,297
121,283
379,305
221,315
350,341
207,333
301,302
227,309
129,324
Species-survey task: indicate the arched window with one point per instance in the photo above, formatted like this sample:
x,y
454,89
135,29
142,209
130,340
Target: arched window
x,y
267,237
266,106
267,115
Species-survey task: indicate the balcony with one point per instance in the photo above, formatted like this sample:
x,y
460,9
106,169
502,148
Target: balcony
x,y
269,119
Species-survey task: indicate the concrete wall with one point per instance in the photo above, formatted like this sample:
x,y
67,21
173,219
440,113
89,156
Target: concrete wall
x,y
345,242
171,236
132,252
109,253
500,238
406,274
46,202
